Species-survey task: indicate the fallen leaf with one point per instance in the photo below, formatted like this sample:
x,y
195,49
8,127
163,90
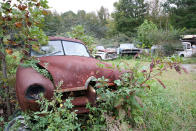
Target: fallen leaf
x,y
18,24
9,51
22,7
44,12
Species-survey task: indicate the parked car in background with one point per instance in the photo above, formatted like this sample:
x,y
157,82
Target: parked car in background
x,y
128,49
188,50
184,50
105,54
66,60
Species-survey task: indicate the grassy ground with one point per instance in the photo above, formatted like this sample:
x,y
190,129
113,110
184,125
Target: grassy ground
x,y
189,60
173,108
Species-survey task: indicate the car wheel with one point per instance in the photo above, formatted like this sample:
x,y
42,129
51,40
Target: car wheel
x,y
99,58
17,122
182,55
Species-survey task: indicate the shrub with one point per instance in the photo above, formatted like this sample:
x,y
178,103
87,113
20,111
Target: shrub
x,y
53,115
149,35
143,32
1,123
123,107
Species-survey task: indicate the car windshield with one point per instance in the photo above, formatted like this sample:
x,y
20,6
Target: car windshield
x,y
100,48
54,48
73,48
126,46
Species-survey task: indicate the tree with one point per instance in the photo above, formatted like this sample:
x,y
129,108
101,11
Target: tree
x,y
20,23
156,14
129,15
59,24
78,32
103,15
169,40
53,24
182,13
143,33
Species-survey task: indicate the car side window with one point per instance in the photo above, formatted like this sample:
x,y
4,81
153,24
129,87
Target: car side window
x,y
57,47
51,49
188,46
74,48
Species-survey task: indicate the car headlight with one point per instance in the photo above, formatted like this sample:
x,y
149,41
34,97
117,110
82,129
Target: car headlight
x,y
34,92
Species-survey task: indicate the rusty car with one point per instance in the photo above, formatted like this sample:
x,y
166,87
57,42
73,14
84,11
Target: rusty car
x,y
66,60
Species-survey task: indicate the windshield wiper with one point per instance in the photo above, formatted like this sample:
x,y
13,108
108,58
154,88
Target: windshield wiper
x,y
53,53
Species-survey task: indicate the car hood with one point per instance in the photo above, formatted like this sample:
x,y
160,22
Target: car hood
x,y
74,71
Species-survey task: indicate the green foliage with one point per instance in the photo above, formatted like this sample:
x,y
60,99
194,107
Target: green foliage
x,y
57,24
1,123
13,61
190,31
78,32
20,23
16,12
143,32
122,107
34,64
39,35
52,117
150,35
182,13
114,41
172,108
53,24
191,60
129,15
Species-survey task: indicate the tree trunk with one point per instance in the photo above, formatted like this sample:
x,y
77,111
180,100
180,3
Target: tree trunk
x,y
7,99
5,77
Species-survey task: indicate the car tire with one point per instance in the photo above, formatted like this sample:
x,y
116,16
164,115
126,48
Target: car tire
x,y
17,120
182,55
98,58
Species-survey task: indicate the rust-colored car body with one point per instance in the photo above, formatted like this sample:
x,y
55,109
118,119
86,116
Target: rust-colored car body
x,y
76,72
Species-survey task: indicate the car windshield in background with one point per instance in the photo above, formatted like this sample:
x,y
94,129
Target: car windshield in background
x,y
100,48
55,48
126,46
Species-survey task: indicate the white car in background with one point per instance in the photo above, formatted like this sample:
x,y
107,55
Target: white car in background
x,y
188,50
128,49
105,54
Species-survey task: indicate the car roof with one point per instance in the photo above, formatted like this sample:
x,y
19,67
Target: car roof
x,y
52,38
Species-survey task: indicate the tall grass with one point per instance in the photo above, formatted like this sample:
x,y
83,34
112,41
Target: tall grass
x,y
170,108
173,108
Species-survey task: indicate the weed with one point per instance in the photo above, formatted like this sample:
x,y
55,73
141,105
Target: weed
x,y
54,114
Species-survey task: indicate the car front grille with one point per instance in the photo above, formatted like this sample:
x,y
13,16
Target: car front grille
x,y
81,98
